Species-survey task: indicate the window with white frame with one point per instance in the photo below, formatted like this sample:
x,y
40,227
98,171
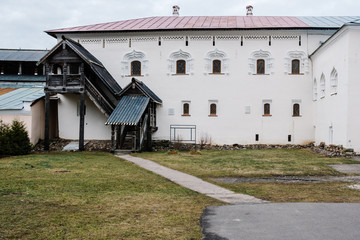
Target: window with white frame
x,y
216,62
322,86
296,108
185,108
315,90
296,63
179,63
267,107
213,108
134,64
333,82
260,62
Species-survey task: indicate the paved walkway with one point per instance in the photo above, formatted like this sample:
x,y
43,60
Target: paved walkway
x,y
73,146
193,183
282,221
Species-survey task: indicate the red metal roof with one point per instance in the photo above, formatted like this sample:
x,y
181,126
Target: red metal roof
x,y
191,22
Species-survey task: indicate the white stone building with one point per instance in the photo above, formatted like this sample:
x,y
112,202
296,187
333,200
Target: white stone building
x,y
244,80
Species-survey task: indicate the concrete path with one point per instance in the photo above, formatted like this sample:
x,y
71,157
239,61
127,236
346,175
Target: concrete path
x,y
193,183
347,168
282,221
73,146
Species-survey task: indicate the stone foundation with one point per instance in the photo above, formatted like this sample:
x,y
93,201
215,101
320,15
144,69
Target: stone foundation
x,y
328,150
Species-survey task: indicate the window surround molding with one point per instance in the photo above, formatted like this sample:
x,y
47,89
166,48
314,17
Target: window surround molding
x,y
216,55
293,102
297,55
260,54
134,56
333,82
180,55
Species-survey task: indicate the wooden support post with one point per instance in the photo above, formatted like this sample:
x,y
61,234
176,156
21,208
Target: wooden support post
x,y
47,122
118,135
137,137
148,133
82,121
112,138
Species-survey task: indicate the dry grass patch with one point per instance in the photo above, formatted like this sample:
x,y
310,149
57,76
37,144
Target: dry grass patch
x,y
250,163
93,196
266,163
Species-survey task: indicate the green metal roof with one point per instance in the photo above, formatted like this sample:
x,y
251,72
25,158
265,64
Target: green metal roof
x,y
14,100
22,55
128,111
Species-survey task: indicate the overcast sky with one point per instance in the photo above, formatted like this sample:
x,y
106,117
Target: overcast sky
x,y
23,22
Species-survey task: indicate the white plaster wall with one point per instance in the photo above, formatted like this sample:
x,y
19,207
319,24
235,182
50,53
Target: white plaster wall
x,y
9,116
233,91
37,121
332,110
69,122
353,126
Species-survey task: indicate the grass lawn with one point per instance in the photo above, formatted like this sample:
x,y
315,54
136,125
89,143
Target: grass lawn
x,y
265,163
93,196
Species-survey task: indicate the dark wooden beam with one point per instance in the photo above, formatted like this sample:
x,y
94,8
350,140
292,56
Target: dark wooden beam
x,y
112,138
118,136
82,121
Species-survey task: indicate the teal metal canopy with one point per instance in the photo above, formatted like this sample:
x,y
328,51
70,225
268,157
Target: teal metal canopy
x,y
14,100
128,111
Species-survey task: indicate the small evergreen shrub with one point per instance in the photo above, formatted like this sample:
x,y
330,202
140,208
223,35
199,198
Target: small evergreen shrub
x,y
14,139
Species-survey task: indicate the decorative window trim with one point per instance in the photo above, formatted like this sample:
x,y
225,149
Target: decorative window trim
x,y
216,110
134,56
266,101
216,55
333,82
260,54
293,102
297,55
182,108
179,55
315,90
322,85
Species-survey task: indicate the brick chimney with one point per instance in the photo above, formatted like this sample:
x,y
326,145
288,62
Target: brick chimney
x,y
176,10
249,10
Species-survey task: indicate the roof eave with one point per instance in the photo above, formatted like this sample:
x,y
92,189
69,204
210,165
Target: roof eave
x,y
54,33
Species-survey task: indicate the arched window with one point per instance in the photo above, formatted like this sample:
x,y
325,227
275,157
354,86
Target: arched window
x,y
260,66
333,82
295,66
322,86
261,62
213,109
134,64
296,110
136,68
216,62
296,62
186,109
179,63
180,67
267,109
216,66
